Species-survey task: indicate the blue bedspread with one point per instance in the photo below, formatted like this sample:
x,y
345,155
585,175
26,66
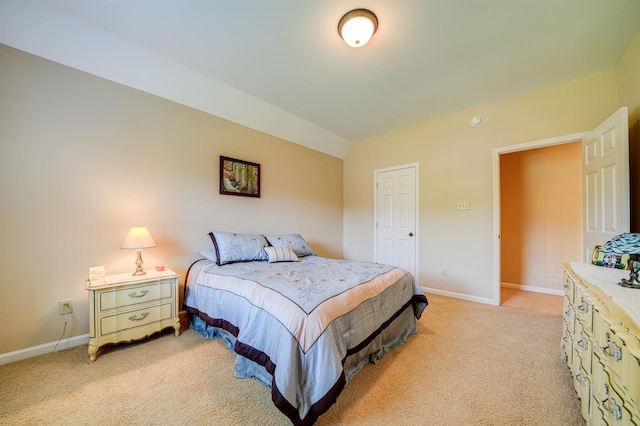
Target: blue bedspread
x,y
304,328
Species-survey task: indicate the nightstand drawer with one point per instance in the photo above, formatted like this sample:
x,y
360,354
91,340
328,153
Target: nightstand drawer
x,y
133,295
138,318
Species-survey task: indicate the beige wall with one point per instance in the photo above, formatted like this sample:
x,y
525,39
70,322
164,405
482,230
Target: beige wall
x,y
540,215
82,159
456,165
628,79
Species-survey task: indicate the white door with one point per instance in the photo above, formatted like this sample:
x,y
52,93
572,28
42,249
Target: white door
x,y
395,217
605,170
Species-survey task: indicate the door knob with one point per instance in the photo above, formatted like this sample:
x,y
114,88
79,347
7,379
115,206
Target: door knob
x,y
411,234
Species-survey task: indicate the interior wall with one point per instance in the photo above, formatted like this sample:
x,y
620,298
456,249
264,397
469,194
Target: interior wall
x,y
456,165
540,215
628,79
82,159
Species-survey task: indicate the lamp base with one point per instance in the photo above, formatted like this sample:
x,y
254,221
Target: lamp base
x,y
139,271
632,281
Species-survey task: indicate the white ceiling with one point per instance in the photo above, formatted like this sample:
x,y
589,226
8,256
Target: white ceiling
x,y
280,66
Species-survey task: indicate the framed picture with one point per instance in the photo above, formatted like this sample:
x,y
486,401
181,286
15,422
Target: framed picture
x,y
609,260
238,177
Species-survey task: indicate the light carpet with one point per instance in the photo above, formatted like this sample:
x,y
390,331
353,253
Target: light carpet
x,y
539,302
469,364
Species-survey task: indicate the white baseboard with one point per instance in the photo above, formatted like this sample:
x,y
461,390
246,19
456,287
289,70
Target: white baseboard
x,y
45,348
484,300
534,289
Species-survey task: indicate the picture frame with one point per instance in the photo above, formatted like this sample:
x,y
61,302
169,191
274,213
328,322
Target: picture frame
x,y
239,177
609,260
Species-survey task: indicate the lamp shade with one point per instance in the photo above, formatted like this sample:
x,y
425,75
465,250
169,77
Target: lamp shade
x,y
357,27
138,238
619,247
623,244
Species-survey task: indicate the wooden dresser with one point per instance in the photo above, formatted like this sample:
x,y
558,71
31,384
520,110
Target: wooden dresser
x,y
601,343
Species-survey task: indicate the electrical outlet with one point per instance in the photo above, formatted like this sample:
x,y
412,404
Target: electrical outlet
x,y
65,307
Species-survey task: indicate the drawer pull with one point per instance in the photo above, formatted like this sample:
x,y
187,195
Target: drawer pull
x,y
610,402
583,343
617,352
135,317
612,349
135,294
585,306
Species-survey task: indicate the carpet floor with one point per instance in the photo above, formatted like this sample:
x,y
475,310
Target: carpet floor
x,y
469,364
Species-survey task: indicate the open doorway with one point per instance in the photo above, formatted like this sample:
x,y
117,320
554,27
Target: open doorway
x,y
537,215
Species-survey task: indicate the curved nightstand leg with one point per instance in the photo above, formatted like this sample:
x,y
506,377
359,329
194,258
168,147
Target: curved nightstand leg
x,y
176,326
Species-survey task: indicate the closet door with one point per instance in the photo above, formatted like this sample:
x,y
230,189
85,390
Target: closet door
x,y
396,229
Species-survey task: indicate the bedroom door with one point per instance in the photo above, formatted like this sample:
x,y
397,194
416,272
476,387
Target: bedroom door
x,y
396,210
605,170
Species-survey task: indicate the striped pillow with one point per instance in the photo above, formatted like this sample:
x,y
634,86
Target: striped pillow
x,y
281,254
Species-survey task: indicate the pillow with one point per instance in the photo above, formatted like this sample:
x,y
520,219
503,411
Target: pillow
x,y
281,254
209,254
294,241
232,247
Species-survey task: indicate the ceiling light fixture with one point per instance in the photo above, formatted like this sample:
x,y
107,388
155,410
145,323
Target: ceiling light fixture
x,y
357,27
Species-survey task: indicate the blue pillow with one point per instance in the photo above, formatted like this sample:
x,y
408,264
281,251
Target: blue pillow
x,y
210,254
294,241
232,247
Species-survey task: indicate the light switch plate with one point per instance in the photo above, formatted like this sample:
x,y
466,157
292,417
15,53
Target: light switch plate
x,y
463,205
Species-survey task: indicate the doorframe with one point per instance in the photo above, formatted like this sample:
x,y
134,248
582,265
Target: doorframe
x,y
416,167
496,153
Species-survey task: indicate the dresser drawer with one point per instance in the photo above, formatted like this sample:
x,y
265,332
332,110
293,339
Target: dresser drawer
x,y
569,316
608,398
135,318
582,385
133,295
630,371
610,348
584,309
583,350
568,287
567,345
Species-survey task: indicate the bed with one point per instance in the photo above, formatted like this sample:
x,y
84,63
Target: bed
x,y
302,324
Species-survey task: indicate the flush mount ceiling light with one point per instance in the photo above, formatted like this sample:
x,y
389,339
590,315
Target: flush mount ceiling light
x,y
357,27
476,121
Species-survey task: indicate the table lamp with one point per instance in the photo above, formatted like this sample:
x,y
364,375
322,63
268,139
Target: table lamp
x,y
138,238
626,244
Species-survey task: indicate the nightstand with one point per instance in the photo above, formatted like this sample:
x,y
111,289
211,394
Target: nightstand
x,y
123,308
